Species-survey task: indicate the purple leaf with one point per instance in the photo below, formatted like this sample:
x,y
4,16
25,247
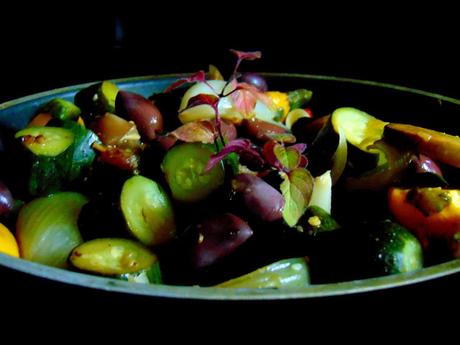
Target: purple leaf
x,y
201,99
303,161
199,76
244,56
268,152
237,146
299,147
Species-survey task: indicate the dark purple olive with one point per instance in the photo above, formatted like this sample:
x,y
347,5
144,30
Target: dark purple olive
x,y
261,130
218,236
143,112
260,199
255,79
424,164
6,199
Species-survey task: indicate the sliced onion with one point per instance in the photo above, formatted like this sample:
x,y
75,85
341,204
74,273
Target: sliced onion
x,y
322,192
47,228
294,115
339,159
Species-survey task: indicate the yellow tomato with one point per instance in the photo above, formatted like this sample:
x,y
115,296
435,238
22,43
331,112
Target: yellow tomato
x,y
442,223
8,244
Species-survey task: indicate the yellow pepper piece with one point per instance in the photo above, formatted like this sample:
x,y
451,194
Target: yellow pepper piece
x,y
281,101
443,224
8,244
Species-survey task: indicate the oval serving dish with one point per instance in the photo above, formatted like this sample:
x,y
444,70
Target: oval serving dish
x,y
385,101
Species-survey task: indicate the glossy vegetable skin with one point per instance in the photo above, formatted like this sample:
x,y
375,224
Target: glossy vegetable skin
x,y
258,197
8,244
428,212
205,207
217,237
97,99
143,112
439,146
284,274
6,199
61,109
147,210
184,168
393,249
112,256
46,141
51,174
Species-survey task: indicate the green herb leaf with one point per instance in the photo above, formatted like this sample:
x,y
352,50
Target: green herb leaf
x,y
297,187
288,157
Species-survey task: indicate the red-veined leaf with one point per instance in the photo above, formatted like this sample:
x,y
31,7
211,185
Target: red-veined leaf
x,y
197,131
238,146
297,187
287,156
200,131
284,158
203,99
199,76
259,95
244,101
244,56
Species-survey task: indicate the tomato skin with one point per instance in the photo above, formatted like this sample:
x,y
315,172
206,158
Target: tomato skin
x,y
184,167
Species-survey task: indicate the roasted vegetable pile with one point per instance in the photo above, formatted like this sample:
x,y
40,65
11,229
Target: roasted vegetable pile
x,y
229,183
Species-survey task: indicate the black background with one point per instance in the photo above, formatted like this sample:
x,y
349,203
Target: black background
x,y
44,49
68,44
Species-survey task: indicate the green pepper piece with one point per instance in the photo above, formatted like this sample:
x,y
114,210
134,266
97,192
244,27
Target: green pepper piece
x,y
112,256
288,273
61,109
